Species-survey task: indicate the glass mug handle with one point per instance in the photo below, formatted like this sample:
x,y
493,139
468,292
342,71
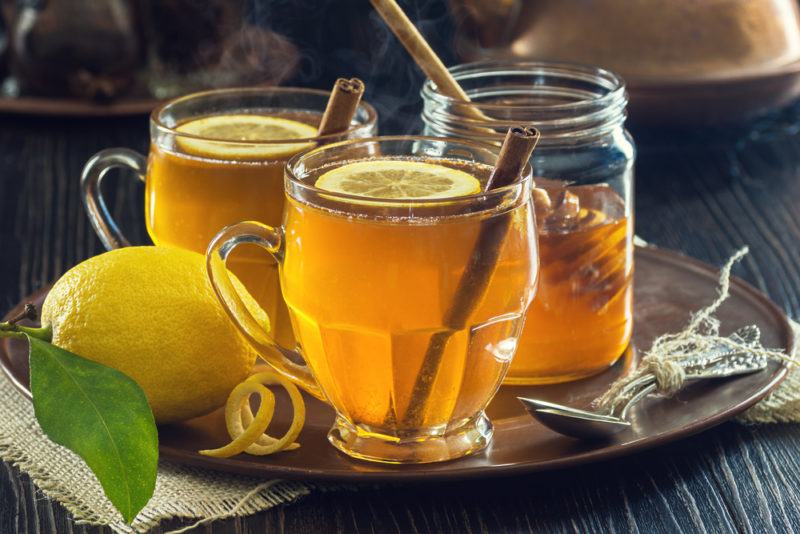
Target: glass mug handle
x,y
270,239
93,173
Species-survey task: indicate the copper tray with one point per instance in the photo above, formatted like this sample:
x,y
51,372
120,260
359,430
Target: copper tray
x,y
668,288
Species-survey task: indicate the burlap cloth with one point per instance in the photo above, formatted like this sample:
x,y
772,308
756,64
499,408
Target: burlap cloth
x,y
180,491
783,404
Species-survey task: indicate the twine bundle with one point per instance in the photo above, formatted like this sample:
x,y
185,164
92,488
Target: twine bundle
x,y
663,360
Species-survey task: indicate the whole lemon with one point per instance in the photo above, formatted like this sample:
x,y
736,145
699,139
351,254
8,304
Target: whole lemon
x,y
151,313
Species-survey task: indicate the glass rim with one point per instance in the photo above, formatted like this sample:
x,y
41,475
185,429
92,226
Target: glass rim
x,y
483,196
155,120
487,68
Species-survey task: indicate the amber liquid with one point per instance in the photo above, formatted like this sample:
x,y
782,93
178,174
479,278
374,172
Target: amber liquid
x,y
581,320
189,198
368,295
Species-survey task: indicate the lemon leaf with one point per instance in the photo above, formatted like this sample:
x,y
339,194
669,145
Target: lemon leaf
x,y
103,416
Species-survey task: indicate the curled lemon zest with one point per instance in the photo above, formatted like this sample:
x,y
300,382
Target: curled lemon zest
x,y
248,431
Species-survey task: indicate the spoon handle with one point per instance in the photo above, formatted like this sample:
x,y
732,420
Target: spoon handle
x,y
635,399
736,364
717,362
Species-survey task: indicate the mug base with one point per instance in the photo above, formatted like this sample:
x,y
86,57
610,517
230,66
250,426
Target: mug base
x,y
471,437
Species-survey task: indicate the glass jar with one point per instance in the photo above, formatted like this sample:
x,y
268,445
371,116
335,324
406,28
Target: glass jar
x,y
581,320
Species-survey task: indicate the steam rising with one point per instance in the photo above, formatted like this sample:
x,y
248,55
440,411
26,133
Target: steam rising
x,y
347,38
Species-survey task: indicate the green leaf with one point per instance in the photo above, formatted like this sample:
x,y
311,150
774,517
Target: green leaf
x,y
102,415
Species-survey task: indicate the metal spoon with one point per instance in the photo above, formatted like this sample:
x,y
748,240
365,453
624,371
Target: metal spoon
x,y
572,422
583,424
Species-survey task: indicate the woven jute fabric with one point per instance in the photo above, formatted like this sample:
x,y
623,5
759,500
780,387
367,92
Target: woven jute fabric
x,y
783,404
181,492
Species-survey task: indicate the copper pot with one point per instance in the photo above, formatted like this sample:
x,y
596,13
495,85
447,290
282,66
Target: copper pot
x,y
640,39
87,48
706,59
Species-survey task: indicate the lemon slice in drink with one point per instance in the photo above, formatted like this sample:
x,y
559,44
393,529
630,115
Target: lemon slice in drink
x,y
399,179
235,131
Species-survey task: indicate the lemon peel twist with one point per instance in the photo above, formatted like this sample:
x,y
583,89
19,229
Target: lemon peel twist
x,y
248,431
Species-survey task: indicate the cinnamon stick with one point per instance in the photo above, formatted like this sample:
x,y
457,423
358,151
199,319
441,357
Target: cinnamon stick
x,y
514,155
423,54
342,105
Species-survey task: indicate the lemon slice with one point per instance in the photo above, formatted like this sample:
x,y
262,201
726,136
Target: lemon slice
x,y
234,132
399,179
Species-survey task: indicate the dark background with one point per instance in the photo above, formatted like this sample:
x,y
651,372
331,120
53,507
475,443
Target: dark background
x,y
346,38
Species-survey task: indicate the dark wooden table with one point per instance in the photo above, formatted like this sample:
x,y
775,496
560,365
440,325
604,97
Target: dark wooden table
x,y
704,193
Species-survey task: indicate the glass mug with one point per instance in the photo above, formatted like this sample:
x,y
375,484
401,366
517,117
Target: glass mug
x,y
396,329
582,319
190,194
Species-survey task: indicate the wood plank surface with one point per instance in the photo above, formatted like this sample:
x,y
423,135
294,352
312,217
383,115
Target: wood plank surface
x,y
705,194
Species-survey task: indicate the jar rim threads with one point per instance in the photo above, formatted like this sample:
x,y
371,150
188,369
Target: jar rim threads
x,y
568,103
